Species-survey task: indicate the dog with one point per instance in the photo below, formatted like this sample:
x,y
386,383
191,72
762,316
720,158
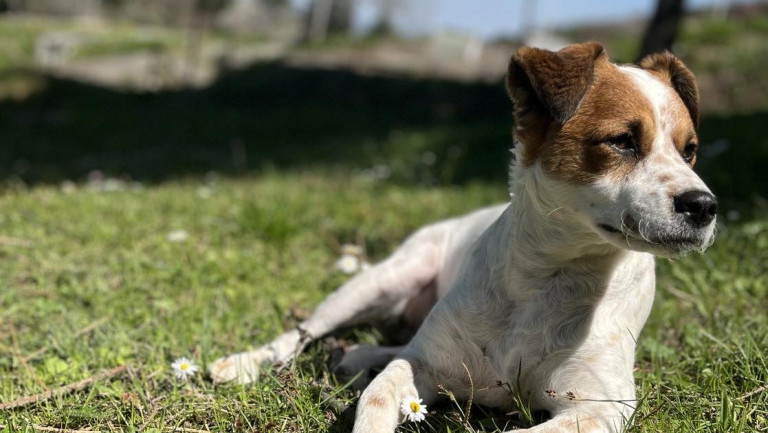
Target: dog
x,y
543,297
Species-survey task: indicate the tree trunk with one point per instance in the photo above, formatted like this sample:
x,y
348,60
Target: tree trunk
x,y
662,30
327,17
341,17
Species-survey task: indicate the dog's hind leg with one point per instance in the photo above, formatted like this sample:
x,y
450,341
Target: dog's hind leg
x,y
379,294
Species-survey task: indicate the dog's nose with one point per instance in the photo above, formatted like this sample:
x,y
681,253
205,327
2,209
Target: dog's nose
x,y
699,207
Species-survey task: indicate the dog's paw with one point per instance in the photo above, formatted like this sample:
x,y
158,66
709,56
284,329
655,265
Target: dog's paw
x,y
241,367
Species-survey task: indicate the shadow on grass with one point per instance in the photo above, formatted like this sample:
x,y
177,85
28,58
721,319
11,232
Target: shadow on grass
x,y
274,115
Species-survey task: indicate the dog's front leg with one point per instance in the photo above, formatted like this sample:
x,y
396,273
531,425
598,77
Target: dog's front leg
x,y
592,418
378,410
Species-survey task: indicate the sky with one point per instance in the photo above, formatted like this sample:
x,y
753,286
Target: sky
x,y
494,18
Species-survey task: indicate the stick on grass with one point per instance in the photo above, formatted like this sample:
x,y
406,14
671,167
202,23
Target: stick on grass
x,y
54,429
755,391
24,401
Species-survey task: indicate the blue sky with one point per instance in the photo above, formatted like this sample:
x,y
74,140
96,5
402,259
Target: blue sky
x,y
492,18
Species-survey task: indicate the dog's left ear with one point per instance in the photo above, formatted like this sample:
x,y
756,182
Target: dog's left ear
x,y
672,70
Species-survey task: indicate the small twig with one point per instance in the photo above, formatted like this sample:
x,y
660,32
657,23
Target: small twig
x,y
755,391
14,242
64,389
90,327
649,414
53,429
185,430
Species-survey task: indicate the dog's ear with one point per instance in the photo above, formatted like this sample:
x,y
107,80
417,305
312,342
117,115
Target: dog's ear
x,y
672,70
553,83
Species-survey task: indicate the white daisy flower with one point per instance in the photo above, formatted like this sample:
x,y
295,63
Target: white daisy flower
x,y
177,236
183,368
412,408
348,264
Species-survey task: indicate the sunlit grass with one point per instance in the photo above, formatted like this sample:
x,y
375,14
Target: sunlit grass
x,y
90,282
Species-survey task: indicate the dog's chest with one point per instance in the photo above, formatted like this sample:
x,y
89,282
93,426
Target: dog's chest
x,y
522,339
558,317
571,318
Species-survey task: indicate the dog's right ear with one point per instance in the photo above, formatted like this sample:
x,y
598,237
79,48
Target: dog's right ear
x,y
546,85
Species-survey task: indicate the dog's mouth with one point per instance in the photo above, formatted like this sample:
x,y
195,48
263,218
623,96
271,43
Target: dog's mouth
x,y
608,228
630,233
629,228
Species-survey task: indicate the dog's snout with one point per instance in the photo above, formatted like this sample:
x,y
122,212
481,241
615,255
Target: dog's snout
x,y
699,207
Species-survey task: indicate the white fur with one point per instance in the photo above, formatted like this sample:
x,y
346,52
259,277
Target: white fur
x,y
532,294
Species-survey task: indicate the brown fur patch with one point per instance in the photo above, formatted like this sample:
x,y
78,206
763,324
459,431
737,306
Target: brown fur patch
x,y
376,401
664,178
577,151
614,340
546,87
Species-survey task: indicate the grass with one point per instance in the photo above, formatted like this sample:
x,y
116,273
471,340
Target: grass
x,y
259,246
310,159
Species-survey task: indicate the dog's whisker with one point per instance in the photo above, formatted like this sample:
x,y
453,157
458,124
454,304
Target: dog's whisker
x,y
553,211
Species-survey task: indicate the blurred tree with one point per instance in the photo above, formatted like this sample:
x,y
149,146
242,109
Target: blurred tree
x,y
662,30
200,15
211,7
327,17
113,4
385,23
341,17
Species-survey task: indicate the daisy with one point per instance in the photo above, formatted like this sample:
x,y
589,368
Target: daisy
x,y
352,259
412,408
183,368
177,236
348,264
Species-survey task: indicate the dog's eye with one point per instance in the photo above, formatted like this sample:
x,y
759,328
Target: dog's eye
x,y
689,151
623,144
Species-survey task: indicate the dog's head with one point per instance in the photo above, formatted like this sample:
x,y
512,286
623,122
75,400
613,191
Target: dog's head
x,y
620,141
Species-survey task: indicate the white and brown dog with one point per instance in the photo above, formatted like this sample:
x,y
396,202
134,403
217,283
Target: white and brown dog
x,y
548,293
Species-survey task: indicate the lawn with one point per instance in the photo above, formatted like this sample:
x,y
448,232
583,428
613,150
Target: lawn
x,y
91,282
167,259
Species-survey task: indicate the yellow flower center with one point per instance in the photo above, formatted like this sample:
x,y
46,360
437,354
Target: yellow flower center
x,y
183,367
414,407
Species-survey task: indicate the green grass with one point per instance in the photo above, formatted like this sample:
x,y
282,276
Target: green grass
x,y
258,247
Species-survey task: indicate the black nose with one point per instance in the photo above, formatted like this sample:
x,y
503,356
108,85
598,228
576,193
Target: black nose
x,y
699,207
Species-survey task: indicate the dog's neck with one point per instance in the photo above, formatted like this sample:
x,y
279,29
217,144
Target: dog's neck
x,y
547,237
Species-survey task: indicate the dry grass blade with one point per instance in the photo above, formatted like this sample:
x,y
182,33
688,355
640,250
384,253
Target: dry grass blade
x,y
471,393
